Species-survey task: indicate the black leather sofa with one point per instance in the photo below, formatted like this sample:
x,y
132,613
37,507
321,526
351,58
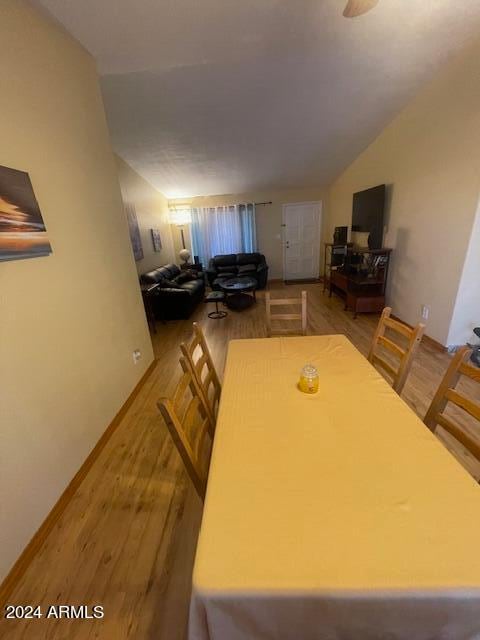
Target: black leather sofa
x,y
179,291
240,264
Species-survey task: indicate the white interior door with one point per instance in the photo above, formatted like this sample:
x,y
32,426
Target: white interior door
x,y
301,240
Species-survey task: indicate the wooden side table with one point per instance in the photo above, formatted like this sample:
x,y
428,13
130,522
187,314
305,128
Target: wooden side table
x,y
363,289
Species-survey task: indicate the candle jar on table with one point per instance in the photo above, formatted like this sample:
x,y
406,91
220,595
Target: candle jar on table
x,y
308,382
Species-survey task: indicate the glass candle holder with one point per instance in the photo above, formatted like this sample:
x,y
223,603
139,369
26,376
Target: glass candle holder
x,y
308,382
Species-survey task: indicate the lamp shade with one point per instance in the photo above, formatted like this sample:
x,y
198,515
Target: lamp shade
x,y
180,216
184,255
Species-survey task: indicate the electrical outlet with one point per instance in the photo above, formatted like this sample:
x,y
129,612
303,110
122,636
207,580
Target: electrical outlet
x,y
425,312
137,354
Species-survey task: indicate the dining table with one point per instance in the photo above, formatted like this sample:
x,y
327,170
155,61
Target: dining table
x,y
336,515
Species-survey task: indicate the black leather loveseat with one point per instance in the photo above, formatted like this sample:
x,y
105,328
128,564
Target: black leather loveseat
x,y
239,264
179,291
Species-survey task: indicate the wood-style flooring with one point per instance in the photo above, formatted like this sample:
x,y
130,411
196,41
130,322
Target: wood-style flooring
x,y
127,540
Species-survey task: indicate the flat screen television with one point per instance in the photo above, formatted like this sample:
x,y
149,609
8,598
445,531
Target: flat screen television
x,y
367,214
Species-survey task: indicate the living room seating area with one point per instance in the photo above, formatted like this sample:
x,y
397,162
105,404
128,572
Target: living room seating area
x,y
178,292
252,265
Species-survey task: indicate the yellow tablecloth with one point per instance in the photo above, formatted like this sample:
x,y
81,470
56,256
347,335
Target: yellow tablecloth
x,y
333,516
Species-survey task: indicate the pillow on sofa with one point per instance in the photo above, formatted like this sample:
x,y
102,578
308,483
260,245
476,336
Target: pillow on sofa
x,y
173,270
185,276
168,284
247,268
155,277
224,260
248,258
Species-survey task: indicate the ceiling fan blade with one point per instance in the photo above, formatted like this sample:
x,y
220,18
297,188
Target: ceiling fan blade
x,y
355,8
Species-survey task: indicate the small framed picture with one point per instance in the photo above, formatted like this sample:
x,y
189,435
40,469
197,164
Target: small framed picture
x,y
156,239
134,230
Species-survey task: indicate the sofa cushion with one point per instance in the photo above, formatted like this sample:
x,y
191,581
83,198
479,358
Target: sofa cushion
x,y
230,270
225,260
149,278
184,276
164,273
193,286
156,276
169,284
173,269
247,268
249,258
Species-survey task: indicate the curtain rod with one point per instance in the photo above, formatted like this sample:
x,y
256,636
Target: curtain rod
x,y
257,204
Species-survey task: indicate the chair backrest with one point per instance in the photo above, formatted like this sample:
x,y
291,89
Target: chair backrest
x,y
446,393
188,422
404,355
197,356
284,302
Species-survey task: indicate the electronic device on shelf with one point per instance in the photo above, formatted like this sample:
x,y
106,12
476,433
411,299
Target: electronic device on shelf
x,y
340,235
338,255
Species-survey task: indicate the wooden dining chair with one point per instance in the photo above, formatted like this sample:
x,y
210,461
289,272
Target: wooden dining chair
x,y
446,393
284,302
404,355
189,424
198,358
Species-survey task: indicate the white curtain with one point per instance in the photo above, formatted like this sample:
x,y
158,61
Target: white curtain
x,y
220,230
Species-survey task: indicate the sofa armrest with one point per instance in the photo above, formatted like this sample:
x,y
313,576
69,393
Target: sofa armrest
x,y
174,291
262,275
211,274
173,303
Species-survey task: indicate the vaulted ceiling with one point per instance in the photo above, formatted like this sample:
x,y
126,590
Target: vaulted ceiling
x,y
219,96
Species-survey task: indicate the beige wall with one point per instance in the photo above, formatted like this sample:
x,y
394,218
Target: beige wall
x,y
268,219
68,322
466,314
430,158
151,208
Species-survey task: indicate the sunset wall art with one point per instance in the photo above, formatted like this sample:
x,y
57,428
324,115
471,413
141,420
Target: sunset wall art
x,y
22,230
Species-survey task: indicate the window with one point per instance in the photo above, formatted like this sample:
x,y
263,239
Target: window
x,y
220,230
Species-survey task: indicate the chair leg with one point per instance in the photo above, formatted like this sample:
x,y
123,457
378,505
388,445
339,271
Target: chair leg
x,y
217,314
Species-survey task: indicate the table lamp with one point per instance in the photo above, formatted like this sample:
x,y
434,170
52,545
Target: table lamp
x,y
184,255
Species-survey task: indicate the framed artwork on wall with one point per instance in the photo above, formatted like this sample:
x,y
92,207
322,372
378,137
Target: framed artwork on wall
x,y
134,230
156,239
22,230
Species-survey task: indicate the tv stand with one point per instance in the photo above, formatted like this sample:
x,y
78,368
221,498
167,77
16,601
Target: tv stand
x,y
362,279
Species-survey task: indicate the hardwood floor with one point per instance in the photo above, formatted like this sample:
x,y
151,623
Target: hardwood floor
x,y
127,539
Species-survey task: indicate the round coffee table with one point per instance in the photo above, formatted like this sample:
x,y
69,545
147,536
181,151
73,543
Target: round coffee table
x,y
237,290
